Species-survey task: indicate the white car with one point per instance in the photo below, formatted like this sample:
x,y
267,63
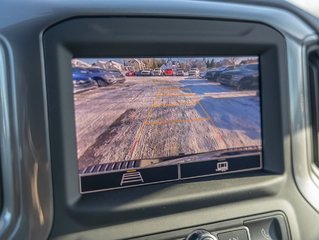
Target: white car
x,y
193,72
157,72
146,72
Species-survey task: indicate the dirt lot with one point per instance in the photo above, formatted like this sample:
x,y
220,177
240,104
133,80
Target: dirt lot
x,y
152,117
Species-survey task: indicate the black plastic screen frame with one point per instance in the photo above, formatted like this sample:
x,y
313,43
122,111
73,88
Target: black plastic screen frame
x,y
142,37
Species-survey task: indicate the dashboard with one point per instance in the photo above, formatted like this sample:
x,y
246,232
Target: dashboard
x,y
177,120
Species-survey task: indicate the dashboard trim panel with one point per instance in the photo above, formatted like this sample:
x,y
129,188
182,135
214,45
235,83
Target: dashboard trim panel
x,y
20,155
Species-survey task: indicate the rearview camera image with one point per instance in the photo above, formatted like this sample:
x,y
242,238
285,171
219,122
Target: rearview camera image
x,y
148,120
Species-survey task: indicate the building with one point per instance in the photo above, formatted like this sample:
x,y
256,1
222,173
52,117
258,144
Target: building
x,y
79,63
135,64
110,65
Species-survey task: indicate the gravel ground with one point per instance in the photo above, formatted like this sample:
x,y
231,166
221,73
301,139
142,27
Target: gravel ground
x,y
153,117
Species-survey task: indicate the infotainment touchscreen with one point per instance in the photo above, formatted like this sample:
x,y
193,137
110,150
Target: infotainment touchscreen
x,y
143,121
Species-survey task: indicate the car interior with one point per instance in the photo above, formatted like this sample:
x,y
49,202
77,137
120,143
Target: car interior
x,y
159,120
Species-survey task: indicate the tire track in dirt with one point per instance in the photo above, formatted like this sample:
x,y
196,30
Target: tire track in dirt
x,y
92,155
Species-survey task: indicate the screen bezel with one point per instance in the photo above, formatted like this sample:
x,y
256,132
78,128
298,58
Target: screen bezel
x,y
115,37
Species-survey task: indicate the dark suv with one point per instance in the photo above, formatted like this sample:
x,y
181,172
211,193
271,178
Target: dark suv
x,y
80,74
243,77
214,74
81,78
105,77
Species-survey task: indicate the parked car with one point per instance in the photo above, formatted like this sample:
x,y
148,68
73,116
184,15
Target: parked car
x,y
180,72
202,74
157,72
105,77
193,72
81,79
169,72
218,71
118,77
146,72
253,66
243,77
138,73
130,73
80,74
210,74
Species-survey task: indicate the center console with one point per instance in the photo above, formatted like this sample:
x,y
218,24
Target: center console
x,y
267,226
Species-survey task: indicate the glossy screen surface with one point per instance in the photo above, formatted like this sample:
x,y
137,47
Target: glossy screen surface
x,y
149,120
